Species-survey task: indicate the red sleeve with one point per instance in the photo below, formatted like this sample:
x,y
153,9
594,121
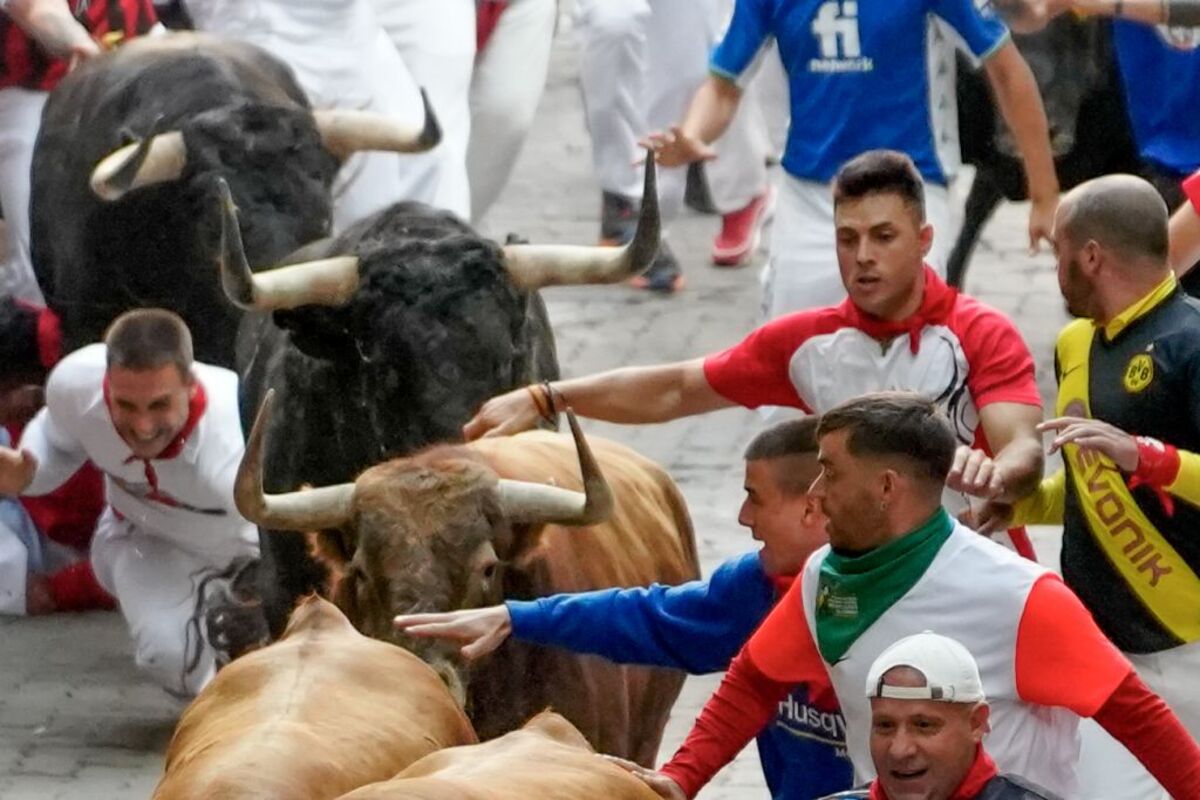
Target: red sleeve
x,y
1000,367
754,372
1139,719
783,647
742,705
1191,188
1063,658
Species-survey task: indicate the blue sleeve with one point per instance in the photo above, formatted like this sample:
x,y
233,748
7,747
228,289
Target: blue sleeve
x,y
976,22
697,626
748,31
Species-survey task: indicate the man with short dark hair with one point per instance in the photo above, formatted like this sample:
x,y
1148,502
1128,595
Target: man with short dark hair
x,y
166,434
902,327
898,564
929,715
1128,426
700,625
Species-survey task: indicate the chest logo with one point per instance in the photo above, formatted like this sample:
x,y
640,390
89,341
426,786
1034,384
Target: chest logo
x,y
1138,373
836,29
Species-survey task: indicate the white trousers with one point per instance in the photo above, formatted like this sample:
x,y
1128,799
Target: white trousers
x,y
642,60
802,271
21,553
1107,770
156,585
436,41
20,118
510,75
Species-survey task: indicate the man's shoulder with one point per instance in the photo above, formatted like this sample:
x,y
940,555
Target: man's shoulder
x,y
974,318
1014,787
80,372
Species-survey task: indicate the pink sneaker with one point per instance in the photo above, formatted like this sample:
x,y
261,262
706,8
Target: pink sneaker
x,y
741,230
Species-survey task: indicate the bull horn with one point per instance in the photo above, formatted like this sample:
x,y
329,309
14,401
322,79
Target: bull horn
x,y
532,266
522,501
159,159
315,509
327,282
345,131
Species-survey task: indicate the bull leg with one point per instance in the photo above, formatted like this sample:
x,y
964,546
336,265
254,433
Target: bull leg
x,y
985,195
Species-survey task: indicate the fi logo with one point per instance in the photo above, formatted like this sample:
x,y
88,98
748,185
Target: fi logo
x,y
1138,373
836,29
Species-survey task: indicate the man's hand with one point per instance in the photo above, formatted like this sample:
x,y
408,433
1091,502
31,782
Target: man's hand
x,y
1096,436
17,468
663,786
39,599
81,51
1041,222
975,473
1030,16
481,630
675,148
993,518
503,416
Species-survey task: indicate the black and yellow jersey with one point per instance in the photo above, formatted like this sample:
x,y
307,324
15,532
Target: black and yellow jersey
x,y
1132,563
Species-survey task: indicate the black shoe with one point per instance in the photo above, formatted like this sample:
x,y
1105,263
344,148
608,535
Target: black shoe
x,y
663,274
618,218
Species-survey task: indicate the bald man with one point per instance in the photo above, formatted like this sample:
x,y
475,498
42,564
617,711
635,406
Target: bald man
x,y
1128,427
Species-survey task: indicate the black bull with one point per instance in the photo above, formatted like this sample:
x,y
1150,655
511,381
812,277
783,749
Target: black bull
x,y
419,322
1073,63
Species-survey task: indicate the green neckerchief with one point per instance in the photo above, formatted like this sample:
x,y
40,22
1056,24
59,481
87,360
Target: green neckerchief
x,y
853,592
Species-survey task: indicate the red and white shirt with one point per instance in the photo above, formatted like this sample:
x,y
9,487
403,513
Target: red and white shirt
x,y
955,350
185,495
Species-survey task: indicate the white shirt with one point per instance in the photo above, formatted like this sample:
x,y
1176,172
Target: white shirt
x,y
187,499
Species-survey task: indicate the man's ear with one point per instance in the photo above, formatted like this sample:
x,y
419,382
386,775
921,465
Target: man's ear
x,y
925,236
980,721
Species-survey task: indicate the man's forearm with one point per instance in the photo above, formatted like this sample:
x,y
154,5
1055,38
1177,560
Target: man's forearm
x,y
633,395
51,24
712,109
1020,462
1021,106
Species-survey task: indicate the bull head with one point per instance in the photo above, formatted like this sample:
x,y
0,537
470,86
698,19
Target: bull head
x,y
333,281
163,156
333,506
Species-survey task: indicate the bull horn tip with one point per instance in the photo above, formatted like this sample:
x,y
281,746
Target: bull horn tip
x,y
431,134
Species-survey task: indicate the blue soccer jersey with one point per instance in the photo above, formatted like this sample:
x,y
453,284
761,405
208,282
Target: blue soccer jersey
x,y
858,73
1160,70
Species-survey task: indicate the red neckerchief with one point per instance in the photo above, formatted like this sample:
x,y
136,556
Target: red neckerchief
x,y
937,301
49,334
982,770
197,402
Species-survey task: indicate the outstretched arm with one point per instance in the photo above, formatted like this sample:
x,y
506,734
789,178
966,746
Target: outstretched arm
x,y
712,109
631,395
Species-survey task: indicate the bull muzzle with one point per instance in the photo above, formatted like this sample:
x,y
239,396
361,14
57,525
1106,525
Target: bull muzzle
x,y
315,509
162,157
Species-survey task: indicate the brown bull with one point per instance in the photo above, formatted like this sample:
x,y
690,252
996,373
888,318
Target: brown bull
x,y
547,759
468,526
317,714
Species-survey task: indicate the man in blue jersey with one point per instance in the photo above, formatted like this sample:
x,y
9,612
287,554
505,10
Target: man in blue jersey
x,y
701,625
863,74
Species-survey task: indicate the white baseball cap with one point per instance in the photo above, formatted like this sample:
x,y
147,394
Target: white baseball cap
x,y
950,672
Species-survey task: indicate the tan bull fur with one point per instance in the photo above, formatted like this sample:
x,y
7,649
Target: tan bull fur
x,y
548,759
320,712
426,528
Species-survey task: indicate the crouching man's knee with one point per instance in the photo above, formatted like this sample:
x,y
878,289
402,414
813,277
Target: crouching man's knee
x,y
181,665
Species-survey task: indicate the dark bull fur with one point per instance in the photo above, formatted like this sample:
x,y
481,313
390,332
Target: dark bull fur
x,y
243,117
1073,64
435,329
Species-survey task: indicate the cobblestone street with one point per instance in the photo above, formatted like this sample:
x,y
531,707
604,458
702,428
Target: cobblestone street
x,y
76,720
